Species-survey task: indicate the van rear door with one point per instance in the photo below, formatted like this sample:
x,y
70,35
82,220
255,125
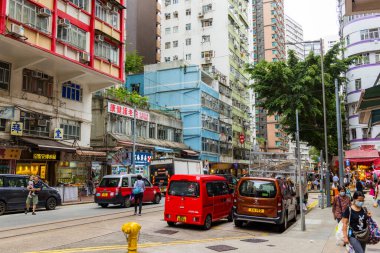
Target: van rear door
x,y
257,197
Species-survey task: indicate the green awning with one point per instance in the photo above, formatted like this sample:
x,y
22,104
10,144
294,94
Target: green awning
x,y
370,99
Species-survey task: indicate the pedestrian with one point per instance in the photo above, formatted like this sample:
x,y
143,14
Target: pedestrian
x,y
377,195
359,185
355,222
316,184
348,191
37,187
340,204
138,192
90,186
335,179
30,187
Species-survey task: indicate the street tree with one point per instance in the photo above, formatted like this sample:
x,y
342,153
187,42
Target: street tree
x,y
283,87
133,63
123,95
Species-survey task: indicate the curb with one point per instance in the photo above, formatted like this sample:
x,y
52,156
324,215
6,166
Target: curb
x,y
77,203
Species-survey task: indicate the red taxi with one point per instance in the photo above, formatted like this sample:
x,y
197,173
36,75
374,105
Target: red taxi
x,y
117,189
198,200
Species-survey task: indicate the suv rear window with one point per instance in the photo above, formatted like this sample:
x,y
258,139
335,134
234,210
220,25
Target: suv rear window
x,y
184,188
258,189
109,182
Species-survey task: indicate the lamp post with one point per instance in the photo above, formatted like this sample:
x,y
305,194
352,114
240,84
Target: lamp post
x,y
134,141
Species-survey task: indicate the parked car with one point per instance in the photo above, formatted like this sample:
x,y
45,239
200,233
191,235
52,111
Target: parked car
x,y
197,200
231,180
13,194
117,189
266,200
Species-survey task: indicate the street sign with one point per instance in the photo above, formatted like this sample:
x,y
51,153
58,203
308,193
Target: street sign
x,y
17,128
58,133
242,138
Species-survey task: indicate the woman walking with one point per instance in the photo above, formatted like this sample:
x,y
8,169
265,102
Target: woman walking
x,y
138,192
355,222
340,204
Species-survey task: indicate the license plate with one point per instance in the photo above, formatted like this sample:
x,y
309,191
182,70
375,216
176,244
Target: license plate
x,y
181,218
104,194
255,210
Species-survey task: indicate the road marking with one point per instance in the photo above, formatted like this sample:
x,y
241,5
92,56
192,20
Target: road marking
x,y
312,205
145,245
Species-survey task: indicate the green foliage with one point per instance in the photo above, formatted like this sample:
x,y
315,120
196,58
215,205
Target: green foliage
x,y
314,154
123,95
283,87
133,63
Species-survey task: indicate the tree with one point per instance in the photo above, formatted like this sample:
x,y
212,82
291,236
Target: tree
x,y
283,87
123,95
133,63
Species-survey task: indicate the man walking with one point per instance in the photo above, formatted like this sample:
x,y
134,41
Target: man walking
x,y
33,198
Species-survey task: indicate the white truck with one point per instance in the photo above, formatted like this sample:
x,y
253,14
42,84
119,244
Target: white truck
x,y
160,170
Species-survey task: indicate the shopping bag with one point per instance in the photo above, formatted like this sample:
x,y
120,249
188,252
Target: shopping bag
x,y
349,248
374,231
339,234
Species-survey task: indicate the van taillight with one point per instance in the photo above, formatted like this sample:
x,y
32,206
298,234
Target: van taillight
x,y
279,203
117,191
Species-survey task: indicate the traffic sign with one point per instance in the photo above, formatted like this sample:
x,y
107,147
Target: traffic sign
x,y
58,133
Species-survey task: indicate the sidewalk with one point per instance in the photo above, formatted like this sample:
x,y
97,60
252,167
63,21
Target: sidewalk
x,y
82,200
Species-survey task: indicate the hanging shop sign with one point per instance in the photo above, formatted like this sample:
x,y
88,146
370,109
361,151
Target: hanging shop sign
x,y
17,128
142,158
127,111
44,156
6,112
58,133
10,153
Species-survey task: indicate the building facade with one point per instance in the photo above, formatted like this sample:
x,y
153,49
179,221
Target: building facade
x,y
73,48
144,29
304,152
361,35
294,34
216,37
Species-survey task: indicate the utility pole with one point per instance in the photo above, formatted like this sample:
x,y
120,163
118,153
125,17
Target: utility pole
x,y
134,141
321,182
303,224
328,202
339,128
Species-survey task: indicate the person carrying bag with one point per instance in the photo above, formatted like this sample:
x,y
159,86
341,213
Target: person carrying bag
x,y
138,192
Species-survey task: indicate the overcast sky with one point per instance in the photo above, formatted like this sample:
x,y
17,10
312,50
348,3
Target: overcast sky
x,y
318,18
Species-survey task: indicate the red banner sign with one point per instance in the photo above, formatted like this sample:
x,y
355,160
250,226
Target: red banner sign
x,y
127,111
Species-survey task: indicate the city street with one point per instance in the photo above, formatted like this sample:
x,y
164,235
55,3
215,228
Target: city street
x,y
89,228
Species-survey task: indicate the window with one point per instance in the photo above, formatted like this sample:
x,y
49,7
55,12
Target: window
x,y
358,84
72,91
5,75
72,35
278,144
278,134
167,16
274,44
175,29
107,51
188,27
175,58
175,43
188,57
111,17
365,58
3,124
167,45
167,30
178,135
35,124
37,82
207,22
210,145
348,40
353,134
152,130
369,34
188,42
71,129
207,8
109,182
80,3
167,59
168,2
273,20
205,38
175,14
125,182
274,28
15,181
210,102
276,117
257,189
217,189
365,133
135,87
184,189
377,59
27,13
207,54
162,133
175,1
188,12
277,126
210,123
141,128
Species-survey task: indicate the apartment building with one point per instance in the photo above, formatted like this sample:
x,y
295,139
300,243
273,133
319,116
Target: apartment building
x,y
144,29
54,55
294,37
215,35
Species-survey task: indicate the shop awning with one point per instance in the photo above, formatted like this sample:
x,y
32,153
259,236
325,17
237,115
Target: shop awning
x,y
361,155
91,153
46,144
164,150
189,152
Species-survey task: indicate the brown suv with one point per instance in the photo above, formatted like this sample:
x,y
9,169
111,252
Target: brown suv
x,y
266,200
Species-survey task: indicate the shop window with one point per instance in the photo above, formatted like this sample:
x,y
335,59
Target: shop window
x,y
162,133
72,35
3,124
71,129
27,13
72,91
83,4
37,82
35,123
107,14
5,75
107,51
152,131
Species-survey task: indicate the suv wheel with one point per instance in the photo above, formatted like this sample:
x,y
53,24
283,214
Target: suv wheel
x,y
208,223
282,227
51,203
103,205
157,199
3,207
238,223
171,223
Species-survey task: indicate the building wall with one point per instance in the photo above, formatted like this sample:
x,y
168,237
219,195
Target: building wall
x,y
362,75
294,34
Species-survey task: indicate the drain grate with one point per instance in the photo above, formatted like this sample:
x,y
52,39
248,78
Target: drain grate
x,y
221,248
166,232
254,240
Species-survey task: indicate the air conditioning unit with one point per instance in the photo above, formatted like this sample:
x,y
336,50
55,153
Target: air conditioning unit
x,y
42,122
200,15
44,12
84,57
64,22
17,30
99,38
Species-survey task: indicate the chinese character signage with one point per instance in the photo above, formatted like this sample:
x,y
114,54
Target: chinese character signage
x,y
10,153
39,156
127,111
142,158
58,133
16,128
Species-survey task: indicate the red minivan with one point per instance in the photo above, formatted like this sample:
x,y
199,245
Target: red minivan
x,y
198,200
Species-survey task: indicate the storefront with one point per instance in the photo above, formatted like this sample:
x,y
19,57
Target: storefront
x,y
122,162
361,163
8,158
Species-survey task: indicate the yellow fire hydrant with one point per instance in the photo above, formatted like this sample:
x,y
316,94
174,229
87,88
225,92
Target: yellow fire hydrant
x,y
131,231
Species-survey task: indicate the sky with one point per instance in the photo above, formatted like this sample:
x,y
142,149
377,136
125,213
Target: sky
x,y
318,18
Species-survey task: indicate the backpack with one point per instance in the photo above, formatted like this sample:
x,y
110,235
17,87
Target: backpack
x,y
137,189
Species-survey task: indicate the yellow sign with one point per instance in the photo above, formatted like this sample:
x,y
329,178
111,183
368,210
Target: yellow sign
x,y
38,156
16,128
10,153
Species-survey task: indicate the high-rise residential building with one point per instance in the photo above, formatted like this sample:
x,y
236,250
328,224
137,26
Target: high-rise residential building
x,y
312,46
54,54
294,37
144,29
215,35
361,34
269,45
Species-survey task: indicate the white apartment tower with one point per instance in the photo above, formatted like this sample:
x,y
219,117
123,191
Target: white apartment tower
x,y
215,35
294,34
